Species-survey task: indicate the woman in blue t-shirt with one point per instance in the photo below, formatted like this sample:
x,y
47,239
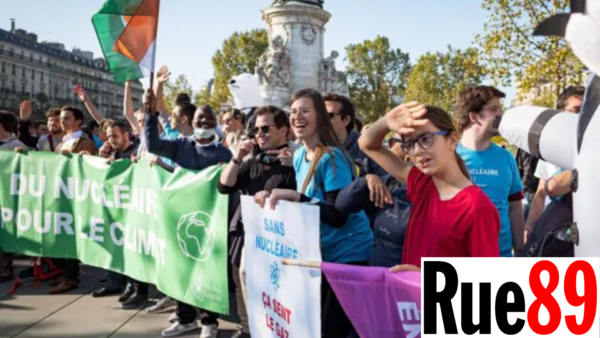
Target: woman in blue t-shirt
x,y
323,168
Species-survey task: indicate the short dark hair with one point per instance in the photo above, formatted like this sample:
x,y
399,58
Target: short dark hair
x,y
53,112
182,98
206,109
472,100
347,108
77,113
119,124
93,124
279,116
9,121
569,92
38,123
188,110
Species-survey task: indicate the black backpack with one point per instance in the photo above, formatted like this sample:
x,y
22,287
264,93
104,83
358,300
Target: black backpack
x,y
554,234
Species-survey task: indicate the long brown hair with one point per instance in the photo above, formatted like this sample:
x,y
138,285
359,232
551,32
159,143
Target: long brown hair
x,y
441,119
327,138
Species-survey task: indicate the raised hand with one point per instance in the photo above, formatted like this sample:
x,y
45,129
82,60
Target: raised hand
x,y
80,93
163,74
406,117
150,101
25,110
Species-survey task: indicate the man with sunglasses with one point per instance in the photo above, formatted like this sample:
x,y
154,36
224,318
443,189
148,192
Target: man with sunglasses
x,y
343,118
492,168
263,171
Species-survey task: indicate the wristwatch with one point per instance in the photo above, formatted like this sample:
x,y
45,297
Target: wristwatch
x,y
236,161
574,180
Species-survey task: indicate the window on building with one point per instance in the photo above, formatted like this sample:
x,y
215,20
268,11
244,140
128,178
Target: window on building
x,y
31,57
23,88
1,49
24,72
40,60
32,89
33,74
3,67
14,70
42,74
14,86
22,55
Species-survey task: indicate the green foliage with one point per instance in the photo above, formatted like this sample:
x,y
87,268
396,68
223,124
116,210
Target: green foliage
x,y
238,54
171,89
437,78
374,71
510,50
547,98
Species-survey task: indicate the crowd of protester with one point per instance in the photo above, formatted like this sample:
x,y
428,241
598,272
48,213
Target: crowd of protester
x,y
416,183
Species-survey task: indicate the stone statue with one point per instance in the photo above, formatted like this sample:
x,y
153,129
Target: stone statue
x,y
275,65
308,2
330,79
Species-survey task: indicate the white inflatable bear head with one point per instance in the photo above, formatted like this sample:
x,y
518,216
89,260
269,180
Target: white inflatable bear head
x,y
245,91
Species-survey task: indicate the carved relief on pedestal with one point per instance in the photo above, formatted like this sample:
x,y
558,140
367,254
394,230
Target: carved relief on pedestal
x,y
308,33
330,80
275,65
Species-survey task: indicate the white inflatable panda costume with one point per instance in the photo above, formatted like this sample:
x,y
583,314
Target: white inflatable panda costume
x,y
245,91
568,140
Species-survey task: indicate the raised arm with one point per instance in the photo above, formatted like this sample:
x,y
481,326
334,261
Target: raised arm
x,y
89,105
236,176
402,119
128,111
162,77
157,146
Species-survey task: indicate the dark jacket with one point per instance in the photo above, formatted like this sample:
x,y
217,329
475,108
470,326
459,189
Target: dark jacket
x,y
389,223
185,151
256,174
364,163
527,165
25,136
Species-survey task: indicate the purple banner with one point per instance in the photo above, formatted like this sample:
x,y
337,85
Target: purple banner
x,y
379,303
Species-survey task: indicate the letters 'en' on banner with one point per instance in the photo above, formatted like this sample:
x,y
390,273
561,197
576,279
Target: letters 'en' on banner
x,y
283,301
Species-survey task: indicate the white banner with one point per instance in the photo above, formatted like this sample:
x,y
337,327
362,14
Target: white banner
x,y
283,301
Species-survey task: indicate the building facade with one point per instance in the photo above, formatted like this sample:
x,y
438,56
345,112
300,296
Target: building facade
x,y
45,73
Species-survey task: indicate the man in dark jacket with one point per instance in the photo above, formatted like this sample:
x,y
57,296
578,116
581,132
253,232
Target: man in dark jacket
x,y
343,115
263,171
196,152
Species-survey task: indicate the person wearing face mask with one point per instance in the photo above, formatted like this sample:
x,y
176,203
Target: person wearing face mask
x,y
492,168
450,216
196,152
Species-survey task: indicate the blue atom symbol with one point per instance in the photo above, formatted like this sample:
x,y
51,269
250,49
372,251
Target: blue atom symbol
x,y
275,273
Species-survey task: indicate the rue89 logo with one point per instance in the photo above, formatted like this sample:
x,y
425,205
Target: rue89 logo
x,y
498,297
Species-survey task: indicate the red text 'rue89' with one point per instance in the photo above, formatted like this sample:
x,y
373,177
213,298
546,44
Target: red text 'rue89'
x,y
510,297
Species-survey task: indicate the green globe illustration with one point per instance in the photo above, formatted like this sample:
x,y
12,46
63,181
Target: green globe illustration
x,y
196,235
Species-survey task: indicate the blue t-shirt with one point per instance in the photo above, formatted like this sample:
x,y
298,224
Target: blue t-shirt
x,y
495,171
354,241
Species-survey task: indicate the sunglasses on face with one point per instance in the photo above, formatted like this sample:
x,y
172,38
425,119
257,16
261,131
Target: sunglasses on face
x,y
425,141
264,129
332,115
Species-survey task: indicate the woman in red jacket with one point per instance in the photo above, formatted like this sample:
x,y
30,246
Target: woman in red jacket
x,y
450,217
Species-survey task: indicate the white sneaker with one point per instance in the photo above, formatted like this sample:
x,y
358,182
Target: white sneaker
x,y
176,329
174,318
161,304
209,331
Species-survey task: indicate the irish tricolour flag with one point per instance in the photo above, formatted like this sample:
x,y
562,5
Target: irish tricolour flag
x,y
127,30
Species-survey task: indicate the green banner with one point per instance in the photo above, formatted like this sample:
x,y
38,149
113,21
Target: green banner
x,y
165,229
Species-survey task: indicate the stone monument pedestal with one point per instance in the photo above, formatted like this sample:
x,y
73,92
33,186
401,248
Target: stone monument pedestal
x,y
295,58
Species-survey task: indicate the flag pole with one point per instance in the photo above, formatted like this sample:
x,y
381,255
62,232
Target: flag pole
x,y
302,263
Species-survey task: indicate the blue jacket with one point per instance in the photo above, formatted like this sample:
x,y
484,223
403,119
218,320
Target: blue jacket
x,y
389,223
184,151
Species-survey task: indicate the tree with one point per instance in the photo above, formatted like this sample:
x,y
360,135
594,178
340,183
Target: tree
x,y
437,78
375,71
172,89
238,54
511,52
